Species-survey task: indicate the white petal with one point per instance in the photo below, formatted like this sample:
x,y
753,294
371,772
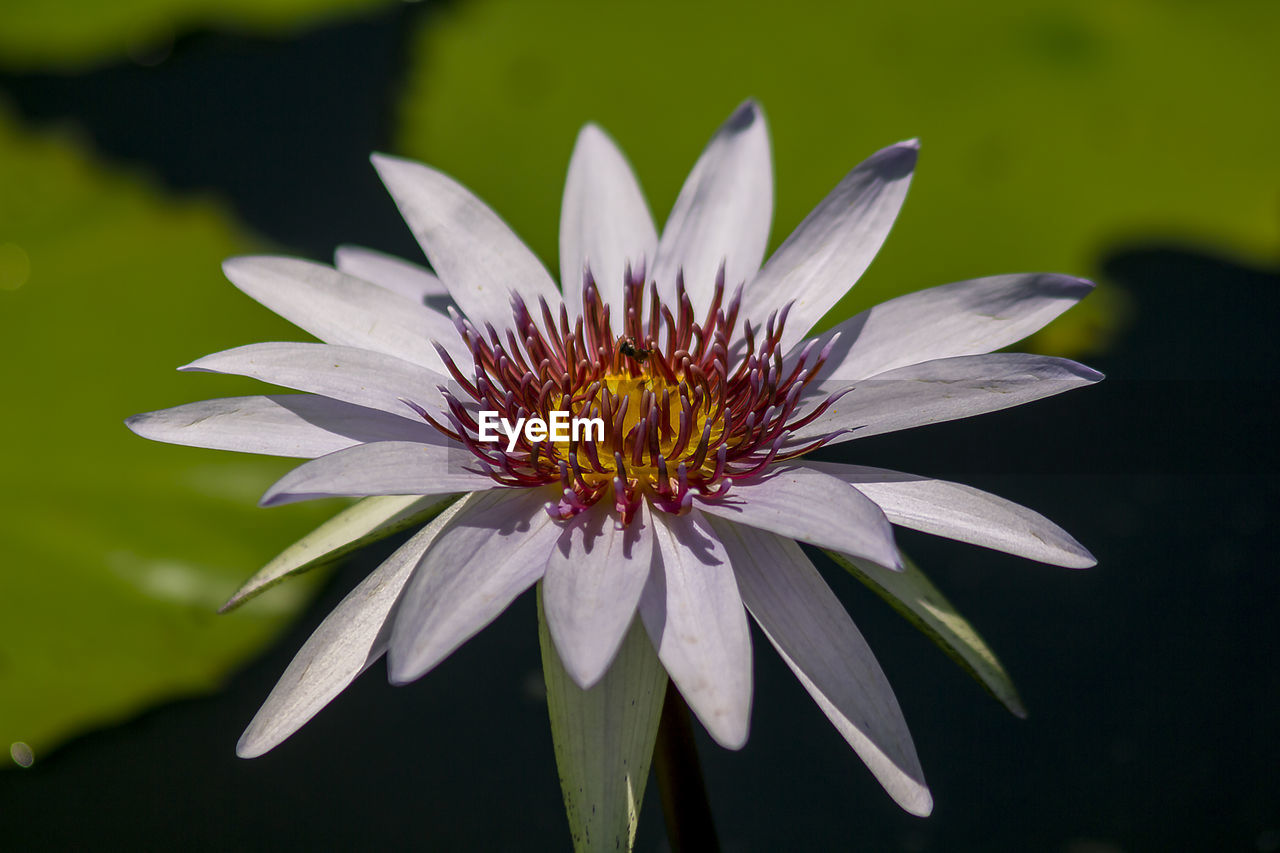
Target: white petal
x,y
358,376
941,390
594,577
475,254
723,212
301,425
604,222
604,738
831,249
693,614
383,468
347,642
963,318
494,549
341,309
395,274
806,623
813,507
963,513
366,521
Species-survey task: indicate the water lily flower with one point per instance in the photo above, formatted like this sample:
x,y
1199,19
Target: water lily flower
x,y
660,535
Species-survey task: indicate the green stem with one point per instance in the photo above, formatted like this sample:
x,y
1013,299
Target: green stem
x,y
684,794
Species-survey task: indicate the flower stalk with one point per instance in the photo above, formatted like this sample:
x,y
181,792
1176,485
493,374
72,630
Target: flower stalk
x,y
685,806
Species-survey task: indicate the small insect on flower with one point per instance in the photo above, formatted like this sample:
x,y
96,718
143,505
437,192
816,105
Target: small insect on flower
x,y
627,346
651,542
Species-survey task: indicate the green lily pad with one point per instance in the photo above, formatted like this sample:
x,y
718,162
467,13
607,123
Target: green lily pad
x,y
119,551
41,33
1049,132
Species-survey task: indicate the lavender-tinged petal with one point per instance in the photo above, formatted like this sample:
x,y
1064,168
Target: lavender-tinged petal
x,y
806,623
479,259
694,616
594,577
299,425
410,280
494,549
604,222
941,390
722,214
358,376
963,513
383,468
347,643
829,251
341,309
963,318
811,506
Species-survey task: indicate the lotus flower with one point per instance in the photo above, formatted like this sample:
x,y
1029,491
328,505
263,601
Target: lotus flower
x,y
660,535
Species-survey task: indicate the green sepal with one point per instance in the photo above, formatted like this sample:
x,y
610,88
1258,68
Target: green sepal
x,y
360,524
915,597
604,738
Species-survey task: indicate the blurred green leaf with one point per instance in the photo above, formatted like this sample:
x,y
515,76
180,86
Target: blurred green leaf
x,y
119,551
41,33
1051,132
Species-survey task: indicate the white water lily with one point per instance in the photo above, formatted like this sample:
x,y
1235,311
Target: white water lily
x,y
663,537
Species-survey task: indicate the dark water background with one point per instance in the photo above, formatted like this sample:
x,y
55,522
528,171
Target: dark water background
x,y
1152,680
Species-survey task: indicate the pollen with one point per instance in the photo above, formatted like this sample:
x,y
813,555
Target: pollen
x,y
688,403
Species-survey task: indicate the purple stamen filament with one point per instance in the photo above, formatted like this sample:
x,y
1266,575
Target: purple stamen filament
x,y
678,417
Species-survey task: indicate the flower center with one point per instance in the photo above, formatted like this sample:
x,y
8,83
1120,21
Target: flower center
x,y
678,406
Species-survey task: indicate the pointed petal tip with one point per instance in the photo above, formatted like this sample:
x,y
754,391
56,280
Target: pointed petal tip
x,y
918,802
893,561
592,132
252,746
747,113
274,498
238,264
389,167
730,733
586,676
401,672
585,666
895,162
1087,372
1061,285
1081,560
244,594
343,250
